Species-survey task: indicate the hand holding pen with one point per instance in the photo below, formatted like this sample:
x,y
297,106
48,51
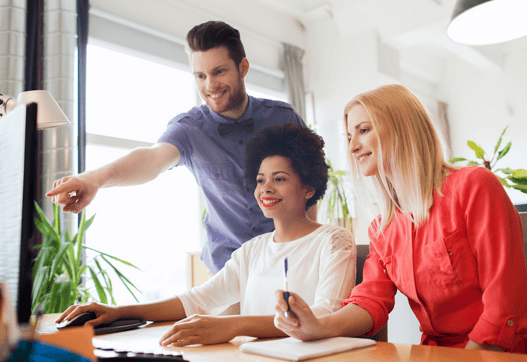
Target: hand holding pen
x,y
301,323
286,288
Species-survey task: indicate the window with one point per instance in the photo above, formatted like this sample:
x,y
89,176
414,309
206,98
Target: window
x,y
130,99
129,103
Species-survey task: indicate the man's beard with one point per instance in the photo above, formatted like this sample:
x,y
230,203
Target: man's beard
x,y
235,100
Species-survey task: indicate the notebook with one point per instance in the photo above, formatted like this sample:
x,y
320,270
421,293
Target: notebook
x,y
296,350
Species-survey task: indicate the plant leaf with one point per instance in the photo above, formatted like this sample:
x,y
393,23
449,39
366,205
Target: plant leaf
x,y
503,181
479,151
56,218
504,151
70,268
98,287
80,235
113,257
39,284
506,171
518,180
519,173
121,275
82,270
124,280
66,297
102,271
79,240
46,227
522,188
50,306
472,163
457,159
59,258
499,141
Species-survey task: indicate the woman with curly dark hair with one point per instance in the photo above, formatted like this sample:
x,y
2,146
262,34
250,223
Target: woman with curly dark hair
x,y
286,167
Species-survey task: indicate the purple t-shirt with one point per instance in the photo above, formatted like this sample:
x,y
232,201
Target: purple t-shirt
x,y
218,164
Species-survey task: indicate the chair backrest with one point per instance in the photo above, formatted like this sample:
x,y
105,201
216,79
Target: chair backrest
x,y
362,255
523,216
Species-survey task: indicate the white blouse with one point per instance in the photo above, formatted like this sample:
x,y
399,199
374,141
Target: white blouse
x,y
321,270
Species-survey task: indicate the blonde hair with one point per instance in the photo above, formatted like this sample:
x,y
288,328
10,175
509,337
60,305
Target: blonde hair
x,y
409,151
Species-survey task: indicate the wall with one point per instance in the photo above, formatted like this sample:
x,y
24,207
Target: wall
x,y
481,105
261,29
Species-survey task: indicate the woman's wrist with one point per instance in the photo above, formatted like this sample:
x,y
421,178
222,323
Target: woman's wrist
x,y
233,326
329,326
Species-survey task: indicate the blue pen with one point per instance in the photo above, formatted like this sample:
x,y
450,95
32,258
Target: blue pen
x,y
286,288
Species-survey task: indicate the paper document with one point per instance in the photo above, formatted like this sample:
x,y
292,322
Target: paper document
x,y
296,350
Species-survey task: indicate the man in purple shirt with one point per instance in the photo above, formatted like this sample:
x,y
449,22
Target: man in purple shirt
x,y
209,140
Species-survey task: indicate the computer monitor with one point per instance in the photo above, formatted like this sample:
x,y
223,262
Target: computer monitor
x,y
18,180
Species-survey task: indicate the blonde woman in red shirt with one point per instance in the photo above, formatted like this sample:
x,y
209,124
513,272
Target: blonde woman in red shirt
x,y
448,238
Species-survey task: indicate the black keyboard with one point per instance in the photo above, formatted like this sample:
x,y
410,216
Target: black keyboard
x,y
136,357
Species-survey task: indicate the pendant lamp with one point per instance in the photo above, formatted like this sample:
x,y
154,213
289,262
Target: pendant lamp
x,y
482,22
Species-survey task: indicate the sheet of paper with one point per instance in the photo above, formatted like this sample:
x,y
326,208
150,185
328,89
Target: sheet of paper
x,y
296,350
140,340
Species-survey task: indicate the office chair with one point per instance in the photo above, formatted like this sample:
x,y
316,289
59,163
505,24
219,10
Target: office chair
x,y
362,255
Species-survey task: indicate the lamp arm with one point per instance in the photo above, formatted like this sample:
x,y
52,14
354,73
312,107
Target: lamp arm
x,y
7,103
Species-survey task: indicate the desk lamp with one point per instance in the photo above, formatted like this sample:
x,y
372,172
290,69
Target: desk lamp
x,y
49,113
483,22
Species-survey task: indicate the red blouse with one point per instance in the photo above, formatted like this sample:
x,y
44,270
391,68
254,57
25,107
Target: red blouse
x,y
463,270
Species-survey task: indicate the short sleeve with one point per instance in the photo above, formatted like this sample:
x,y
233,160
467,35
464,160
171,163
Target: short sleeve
x,y
217,293
337,271
176,135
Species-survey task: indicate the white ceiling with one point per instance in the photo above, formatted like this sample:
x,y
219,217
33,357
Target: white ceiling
x,y
415,28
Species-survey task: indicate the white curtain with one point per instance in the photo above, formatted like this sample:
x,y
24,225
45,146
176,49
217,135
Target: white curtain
x,y
291,64
12,46
444,128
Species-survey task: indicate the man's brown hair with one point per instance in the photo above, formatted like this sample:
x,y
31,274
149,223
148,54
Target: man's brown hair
x,y
214,34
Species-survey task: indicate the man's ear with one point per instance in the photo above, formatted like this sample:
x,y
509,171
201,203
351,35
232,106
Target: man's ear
x,y
244,67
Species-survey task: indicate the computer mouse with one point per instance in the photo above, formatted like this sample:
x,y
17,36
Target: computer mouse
x,y
78,320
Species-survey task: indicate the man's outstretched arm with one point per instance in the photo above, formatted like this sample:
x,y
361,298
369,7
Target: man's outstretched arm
x,y
139,166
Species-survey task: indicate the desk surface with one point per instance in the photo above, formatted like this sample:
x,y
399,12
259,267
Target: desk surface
x,y
147,338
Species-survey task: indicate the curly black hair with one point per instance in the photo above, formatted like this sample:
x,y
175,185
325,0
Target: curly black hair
x,y
299,144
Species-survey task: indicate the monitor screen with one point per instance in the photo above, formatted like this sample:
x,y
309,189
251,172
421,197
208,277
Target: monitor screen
x,y
18,175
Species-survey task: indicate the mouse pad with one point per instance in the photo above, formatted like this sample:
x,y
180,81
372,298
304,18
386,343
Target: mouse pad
x,y
118,325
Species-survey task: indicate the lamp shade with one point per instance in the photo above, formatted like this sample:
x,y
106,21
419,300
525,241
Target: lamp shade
x,y
49,113
482,22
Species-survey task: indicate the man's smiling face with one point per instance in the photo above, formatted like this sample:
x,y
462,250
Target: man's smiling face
x,y
220,81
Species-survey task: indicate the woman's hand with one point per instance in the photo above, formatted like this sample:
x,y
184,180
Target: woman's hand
x,y
105,313
200,329
301,322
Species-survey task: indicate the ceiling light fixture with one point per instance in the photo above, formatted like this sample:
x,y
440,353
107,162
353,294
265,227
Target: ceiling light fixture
x,y
482,22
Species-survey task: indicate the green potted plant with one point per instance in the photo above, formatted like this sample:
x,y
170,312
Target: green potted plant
x,y
334,207
59,270
510,178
